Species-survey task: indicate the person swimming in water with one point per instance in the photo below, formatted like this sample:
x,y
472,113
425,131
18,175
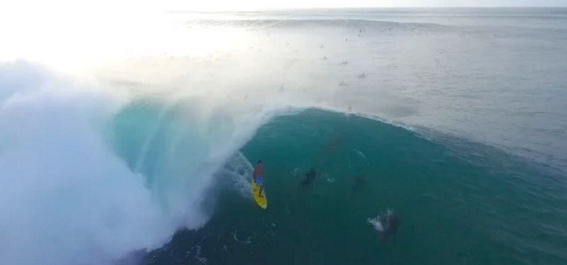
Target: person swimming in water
x,y
258,176
391,225
385,224
307,182
359,182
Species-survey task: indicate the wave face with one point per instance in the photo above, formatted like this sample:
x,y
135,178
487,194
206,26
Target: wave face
x,y
459,202
154,131
66,198
89,176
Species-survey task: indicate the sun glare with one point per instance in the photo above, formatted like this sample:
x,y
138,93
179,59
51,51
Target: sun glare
x,y
69,39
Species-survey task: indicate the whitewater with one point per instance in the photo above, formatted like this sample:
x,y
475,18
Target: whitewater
x,y
79,199
113,142
72,191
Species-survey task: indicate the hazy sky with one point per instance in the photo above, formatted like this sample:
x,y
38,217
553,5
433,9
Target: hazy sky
x,y
218,5
61,31
263,4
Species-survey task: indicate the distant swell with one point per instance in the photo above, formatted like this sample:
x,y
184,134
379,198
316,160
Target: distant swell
x,y
368,24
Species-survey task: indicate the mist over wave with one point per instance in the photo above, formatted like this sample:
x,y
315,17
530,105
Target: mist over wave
x,y
96,166
89,176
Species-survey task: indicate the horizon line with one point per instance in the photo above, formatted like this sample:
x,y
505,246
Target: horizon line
x,y
368,7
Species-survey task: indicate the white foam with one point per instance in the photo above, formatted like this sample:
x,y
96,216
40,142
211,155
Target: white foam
x,y
67,198
375,222
53,156
360,153
197,253
238,172
247,241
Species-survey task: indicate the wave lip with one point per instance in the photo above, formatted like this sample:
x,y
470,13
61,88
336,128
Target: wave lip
x,y
76,186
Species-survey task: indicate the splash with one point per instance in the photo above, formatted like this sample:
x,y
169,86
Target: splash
x,y
376,221
65,195
89,176
237,172
195,250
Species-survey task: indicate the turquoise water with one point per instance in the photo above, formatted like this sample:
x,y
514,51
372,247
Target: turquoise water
x,y
454,119
459,202
468,149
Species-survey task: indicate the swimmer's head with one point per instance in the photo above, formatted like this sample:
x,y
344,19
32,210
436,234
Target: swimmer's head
x,y
394,221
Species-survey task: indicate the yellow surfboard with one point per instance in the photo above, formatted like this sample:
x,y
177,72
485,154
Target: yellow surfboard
x,y
261,201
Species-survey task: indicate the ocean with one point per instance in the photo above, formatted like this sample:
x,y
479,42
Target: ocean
x,y
453,119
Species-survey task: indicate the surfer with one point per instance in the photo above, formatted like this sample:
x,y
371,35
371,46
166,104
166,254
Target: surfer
x,y
359,181
392,223
258,176
309,178
385,224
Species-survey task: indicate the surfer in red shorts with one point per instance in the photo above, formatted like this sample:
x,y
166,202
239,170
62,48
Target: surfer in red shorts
x,y
258,177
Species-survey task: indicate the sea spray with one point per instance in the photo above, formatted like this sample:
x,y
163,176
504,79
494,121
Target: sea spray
x,y
66,196
75,193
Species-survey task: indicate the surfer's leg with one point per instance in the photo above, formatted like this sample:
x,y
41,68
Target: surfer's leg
x,y
260,183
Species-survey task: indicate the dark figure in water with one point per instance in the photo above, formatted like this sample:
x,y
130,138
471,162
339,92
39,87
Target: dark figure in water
x,y
391,225
307,182
359,181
